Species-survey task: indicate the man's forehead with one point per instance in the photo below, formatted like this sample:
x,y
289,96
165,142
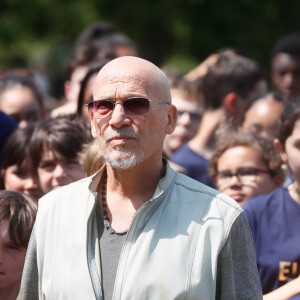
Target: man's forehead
x,y
121,80
129,76
130,85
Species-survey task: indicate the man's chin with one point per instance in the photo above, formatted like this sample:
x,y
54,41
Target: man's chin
x,y
122,160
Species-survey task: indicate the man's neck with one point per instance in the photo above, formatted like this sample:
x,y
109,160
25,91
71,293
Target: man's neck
x,y
127,190
138,181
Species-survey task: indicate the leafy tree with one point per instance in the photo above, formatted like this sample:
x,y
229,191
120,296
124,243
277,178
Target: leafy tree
x,y
40,33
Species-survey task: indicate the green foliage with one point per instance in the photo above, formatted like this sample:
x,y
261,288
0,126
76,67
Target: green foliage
x,y
41,32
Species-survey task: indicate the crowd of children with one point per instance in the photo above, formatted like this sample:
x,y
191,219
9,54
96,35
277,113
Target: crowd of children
x,y
233,133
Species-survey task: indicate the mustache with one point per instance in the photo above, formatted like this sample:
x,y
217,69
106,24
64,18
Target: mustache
x,y
121,131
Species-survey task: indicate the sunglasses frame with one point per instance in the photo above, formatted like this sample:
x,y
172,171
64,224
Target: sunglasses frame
x,y
122,103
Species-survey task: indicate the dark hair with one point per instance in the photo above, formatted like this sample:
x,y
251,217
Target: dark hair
x,y
95,31
12,79
232,50
92,70
105,33
64,135
268,152
96,46
16,149
236,73
289,44
290,115
20,210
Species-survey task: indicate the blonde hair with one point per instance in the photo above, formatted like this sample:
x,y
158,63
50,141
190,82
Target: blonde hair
x,y
91,158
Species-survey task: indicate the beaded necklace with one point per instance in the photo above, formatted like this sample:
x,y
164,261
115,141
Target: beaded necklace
x,y
104,205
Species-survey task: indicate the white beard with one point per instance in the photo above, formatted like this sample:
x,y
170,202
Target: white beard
x,y
123,159
126,161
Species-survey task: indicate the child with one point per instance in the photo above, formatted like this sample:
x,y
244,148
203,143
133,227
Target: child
x,y
275,218
245,165
17,216
21,99
16,166
55,148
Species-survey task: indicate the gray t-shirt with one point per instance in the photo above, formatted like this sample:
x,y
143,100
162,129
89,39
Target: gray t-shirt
x,y
111,243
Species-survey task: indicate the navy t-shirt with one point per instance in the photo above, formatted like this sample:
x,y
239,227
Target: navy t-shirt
x,y
194,164
275,223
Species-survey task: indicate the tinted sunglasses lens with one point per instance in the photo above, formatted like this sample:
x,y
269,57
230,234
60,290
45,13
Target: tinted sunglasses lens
x,y
136,106
101,107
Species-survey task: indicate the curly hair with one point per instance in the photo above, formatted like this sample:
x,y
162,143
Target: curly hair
x,y
266,148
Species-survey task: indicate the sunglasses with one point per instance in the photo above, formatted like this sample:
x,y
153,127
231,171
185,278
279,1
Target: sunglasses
x,y
133,106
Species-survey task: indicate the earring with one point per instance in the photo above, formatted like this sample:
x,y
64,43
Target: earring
x,y
284,167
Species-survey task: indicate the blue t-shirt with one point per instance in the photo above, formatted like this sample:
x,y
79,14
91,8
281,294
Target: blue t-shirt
x,y
275,223
194,164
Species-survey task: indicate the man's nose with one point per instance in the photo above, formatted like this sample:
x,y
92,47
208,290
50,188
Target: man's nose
x,y
119,117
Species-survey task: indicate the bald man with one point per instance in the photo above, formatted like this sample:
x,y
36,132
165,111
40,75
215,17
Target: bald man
x,y
137,229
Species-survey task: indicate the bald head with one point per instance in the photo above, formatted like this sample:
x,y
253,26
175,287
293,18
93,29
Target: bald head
x,y
134,76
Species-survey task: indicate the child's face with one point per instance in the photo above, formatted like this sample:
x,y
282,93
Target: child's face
x,y
243,160
88,94
19,102
22,179
12,260
189,117
291,152
55,171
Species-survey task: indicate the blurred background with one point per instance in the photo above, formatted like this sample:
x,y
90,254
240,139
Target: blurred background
x,y
39,34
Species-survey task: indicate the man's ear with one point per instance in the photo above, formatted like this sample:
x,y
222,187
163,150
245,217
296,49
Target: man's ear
x,y
172,119
231,103
281,150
